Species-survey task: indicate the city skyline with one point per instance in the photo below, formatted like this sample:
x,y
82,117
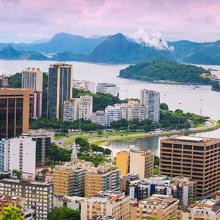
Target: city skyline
x,y
34,20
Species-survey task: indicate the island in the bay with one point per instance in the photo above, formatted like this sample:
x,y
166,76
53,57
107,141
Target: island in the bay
x,y
170,72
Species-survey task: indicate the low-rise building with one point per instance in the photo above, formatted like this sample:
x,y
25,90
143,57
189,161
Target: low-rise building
x,y
181,188
100,117
107,88
110,204
84,85
38,195
206,209
159,206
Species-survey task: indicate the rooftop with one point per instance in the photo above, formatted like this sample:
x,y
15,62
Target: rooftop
x,y
203,141
163,201
108,196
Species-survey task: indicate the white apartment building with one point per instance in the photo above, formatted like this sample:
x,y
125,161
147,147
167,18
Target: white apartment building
x,y
71,110
107,88
37,195
100,117
18,154
32,78
133,110
151,100
78,108
113,113
84,85
86,107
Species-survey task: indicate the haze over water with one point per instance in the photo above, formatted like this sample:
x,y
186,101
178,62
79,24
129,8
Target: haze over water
x,y
189,98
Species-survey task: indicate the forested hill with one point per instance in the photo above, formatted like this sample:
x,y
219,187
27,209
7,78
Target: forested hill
x,y
166,71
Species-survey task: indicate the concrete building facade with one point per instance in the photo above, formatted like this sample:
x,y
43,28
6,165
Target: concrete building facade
x,y
141,162
193,157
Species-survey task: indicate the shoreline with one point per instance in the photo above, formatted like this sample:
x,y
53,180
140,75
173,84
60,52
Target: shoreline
x,y
105,141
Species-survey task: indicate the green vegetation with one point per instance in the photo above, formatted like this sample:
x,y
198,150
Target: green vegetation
x,y
11,213
166,71
168,120
215,86
63,127
64,213
156,170
59,154
91,153
100,100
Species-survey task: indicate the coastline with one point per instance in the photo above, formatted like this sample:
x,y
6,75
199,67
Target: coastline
x,y
106,139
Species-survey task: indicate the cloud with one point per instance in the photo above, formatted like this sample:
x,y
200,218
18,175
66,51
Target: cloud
x,y
151,38
24,20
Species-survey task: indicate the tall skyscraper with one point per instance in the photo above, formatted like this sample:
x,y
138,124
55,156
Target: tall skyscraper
x,y
194,157
59,89
15,112
32,78
151,100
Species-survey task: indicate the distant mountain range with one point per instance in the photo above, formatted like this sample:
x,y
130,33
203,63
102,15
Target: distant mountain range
x,y
115,49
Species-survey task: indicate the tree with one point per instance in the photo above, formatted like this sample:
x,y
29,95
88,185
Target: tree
x,y
170,218
64,213
11,213
164,106
17,174
107,151
153,218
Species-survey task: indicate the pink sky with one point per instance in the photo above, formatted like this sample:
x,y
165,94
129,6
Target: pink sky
x,y
27,20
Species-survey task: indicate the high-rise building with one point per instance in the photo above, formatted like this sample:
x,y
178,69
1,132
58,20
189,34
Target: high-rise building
x,y
151,100
59,89
78,108
32,78
107,88
192,157
18,154
69,180
160,206
86,107
15,112
102,178
133,110
38,195
113,113
71,110
122,162
113,205
141,162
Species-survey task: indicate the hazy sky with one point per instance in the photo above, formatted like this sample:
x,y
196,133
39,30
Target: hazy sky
x,y
27,20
